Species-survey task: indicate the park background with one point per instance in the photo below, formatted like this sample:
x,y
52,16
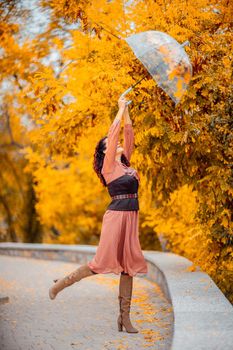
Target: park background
x,y
63,66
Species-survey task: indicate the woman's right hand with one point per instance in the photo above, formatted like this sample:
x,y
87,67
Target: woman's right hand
x,y
122,102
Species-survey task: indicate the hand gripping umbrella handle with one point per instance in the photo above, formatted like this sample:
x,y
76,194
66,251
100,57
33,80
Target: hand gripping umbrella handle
x,y
125,93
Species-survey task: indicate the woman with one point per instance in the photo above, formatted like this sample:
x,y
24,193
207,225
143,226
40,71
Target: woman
x,y
119,249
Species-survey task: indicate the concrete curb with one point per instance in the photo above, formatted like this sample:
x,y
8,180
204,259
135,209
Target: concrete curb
x,y
203,317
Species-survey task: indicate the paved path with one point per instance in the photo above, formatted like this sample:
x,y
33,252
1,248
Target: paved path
x,y
83,316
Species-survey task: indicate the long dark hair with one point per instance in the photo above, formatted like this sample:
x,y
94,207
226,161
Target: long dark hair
x,y
99,159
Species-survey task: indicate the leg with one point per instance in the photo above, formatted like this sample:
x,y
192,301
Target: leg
x,y
75,276
125,295
55,280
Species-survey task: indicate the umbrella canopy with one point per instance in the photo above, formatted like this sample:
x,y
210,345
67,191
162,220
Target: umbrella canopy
x,y
165,59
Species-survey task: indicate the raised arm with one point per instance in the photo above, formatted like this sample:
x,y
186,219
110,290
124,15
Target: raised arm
x,y
110,154
128,135
112,140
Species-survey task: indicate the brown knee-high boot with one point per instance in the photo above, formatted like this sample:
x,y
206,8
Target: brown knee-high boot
x,y
75,276
125,295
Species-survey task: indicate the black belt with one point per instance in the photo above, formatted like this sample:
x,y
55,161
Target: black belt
x,y
126,195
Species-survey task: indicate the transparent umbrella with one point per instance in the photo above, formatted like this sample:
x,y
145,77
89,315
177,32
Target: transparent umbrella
x,y
165,59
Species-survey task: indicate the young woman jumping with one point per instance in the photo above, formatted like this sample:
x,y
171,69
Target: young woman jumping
x,y
119,249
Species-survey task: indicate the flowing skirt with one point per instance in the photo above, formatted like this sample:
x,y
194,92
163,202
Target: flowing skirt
x,y
119,247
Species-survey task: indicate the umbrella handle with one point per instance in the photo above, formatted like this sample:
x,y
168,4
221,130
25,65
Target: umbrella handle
x,y
126,91
131,88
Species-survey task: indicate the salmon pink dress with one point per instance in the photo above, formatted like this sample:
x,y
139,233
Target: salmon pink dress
x,y
119,247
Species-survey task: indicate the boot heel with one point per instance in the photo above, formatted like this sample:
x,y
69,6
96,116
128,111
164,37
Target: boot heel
x,y
120,328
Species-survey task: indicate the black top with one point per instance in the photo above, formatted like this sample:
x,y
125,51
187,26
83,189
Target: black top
x,y
122,185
